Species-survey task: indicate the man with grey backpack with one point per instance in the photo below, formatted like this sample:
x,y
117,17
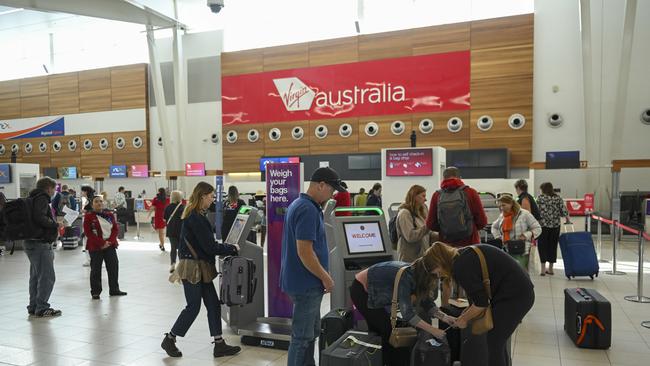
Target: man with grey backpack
x,y
456,212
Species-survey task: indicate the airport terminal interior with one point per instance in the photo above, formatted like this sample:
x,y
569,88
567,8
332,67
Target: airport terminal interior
x,y
129,105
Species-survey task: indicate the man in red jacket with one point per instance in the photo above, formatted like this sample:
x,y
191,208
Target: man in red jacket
x,y
452,181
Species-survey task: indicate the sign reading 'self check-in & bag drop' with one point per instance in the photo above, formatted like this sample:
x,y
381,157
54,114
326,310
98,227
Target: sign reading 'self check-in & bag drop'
x,y
429,83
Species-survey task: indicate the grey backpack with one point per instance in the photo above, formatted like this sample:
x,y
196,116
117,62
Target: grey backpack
x,y
238,281
455,218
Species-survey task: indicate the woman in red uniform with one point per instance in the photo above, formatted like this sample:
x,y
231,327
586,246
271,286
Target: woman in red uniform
x,y
158,208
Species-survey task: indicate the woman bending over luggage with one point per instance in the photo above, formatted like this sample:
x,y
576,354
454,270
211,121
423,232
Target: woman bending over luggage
x,y
101,229
552,209
197,248
516,228
414,235
372,292
511,291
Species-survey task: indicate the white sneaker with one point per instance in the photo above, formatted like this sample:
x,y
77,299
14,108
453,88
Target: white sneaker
x,y
86,264
172,268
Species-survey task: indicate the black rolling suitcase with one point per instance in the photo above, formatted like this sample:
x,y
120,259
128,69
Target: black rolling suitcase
x,y
332,326
587,318
353,349
121,230
430,351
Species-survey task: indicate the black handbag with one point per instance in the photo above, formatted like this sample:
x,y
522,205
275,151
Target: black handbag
x,y
515,247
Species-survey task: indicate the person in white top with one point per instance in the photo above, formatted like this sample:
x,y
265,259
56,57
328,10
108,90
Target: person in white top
x,y
120,198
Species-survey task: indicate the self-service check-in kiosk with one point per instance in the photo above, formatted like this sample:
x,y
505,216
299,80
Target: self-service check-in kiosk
x,y
355,243
248,320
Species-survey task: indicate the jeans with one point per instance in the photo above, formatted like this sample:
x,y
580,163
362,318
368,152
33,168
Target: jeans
x,y
108,256
193,295
41,274
174,252
305,326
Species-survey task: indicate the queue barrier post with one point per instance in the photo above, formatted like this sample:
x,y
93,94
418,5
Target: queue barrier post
x,y
639,285
615,242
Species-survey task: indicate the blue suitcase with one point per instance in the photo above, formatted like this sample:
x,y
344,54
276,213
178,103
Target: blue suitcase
x,y
579,255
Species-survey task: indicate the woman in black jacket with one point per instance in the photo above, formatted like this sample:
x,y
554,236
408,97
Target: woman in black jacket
x,y
172,217
231,208
197,247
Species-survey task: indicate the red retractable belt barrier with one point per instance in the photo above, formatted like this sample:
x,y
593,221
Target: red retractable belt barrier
x,y
624,227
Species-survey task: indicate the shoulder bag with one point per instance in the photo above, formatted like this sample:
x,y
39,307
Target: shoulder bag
x,y
403,336
483,323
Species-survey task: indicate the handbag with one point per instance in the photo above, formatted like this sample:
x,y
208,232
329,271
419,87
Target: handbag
x,y
193,270
402,336
515,247
484,322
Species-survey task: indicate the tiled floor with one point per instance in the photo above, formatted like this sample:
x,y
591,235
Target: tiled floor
x,y
128,330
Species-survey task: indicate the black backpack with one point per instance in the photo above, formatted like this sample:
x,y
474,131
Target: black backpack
x,y
454,216
17,219
392,230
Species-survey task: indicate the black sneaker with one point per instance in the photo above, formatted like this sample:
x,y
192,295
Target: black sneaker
x,y
49,313
169,345
118,293
31,312
221,349
95,297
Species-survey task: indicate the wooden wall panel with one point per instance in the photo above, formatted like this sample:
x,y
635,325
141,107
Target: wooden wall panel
x,y
286,145
97,79
243,156
384,138
502,92
286,57
333,143
94,100
440,136
334,51
65,151
130,155
128,87
518,142
502,32
439,39
502,62
43,161
10,89
9,108
34,106
385,45
58,161
32,87
64,93
242,62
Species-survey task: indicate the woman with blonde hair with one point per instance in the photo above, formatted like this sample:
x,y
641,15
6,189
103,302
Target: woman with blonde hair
x,y
517,228
414,236
172,217
511,293
372,293
198,248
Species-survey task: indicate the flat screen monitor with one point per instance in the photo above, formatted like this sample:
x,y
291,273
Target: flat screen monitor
x,y
69,172
364,237
117,171
409,162
5,173
563,160
140,171
236,229
195,169
277,159
51,172
139,204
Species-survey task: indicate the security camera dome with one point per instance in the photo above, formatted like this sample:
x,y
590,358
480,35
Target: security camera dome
x,y
555,120
253,135
516,121
454,124
321,131
214,138
397,128
103,144
29,148
372,129
72,145
120,143
484,123
297,133
231,136
645,116
426,126
42,146
275,134
345,130
88,144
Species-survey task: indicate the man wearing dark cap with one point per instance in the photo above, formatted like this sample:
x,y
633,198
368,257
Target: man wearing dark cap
x,y
303,276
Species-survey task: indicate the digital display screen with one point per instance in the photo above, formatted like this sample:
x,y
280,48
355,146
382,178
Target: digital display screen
x,y
409,162
236,229
68,172
195,169
264,161
117,171
139,204
5,173
563,160
51,172
140,171
363,237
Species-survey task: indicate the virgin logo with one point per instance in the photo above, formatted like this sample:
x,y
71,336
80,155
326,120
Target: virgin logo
x,y
295,95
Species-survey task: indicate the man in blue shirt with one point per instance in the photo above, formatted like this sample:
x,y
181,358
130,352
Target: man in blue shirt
x,y
303,276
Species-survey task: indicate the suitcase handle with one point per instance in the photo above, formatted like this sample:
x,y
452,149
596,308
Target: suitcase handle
x,y
569,224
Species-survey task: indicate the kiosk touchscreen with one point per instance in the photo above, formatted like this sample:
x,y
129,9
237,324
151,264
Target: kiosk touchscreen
x,y
363,237
237,228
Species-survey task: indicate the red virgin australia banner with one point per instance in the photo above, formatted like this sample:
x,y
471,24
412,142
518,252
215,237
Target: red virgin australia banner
x,y
429,83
